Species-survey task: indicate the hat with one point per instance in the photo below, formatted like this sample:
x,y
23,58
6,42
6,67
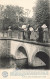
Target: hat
x,y
9,27
31,29
44,26
23,26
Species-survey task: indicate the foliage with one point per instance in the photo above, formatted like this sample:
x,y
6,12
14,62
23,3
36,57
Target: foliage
x,y
42,13
11,16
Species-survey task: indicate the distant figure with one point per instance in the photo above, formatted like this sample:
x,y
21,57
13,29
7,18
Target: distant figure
x,y
9,31
40,30
45,33
24,29
28,31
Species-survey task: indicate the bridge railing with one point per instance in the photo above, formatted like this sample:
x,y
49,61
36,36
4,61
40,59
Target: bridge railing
x,y
11,34
18,34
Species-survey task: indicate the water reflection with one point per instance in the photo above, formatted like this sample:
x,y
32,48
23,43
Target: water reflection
x,y
17,64
13,63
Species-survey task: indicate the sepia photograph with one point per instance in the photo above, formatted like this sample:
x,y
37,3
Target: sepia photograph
x,y
25,34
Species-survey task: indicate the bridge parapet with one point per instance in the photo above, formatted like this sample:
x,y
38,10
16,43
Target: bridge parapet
x,y
29,49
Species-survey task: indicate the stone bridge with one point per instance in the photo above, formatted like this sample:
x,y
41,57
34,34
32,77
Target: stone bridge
x,y
38,54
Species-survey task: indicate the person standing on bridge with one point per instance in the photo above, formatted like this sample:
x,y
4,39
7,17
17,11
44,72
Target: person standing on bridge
x,y
24,29
45,33
40,30
29,30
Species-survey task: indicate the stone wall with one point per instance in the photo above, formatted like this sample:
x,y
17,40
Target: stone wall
x,y
4,48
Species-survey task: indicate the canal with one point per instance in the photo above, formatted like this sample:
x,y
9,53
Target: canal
x,y
9,62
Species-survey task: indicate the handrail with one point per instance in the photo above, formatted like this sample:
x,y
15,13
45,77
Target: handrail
x,y
27,41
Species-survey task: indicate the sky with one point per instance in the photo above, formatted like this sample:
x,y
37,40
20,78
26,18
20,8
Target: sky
x,y
27,4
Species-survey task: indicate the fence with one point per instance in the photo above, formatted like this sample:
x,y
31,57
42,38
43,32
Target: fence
x,y
18,34
11,34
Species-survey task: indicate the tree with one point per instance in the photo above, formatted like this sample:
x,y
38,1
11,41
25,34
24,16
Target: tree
x,y
26,13
12,15
1,11
1,16
42,13
19,12
9,12
13,11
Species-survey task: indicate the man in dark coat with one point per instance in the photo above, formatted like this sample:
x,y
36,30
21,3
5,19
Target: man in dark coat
x,y
40,30
29,32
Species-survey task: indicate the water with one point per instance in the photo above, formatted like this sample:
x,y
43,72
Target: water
x,y
7,62
13,63
10,62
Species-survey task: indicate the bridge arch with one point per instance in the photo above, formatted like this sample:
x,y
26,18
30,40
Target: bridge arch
x,y
41,58
21,53
21,56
